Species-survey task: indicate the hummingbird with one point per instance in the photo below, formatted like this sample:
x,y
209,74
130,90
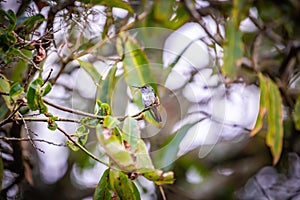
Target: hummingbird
x,y
149,98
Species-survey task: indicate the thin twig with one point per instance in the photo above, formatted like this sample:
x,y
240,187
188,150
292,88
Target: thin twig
x,y
32,119
82,147
11,115
28,135
191,8
53,81
161,189
268,32
27,140
121,118
70,110
210,116
47,78
106,39
4,93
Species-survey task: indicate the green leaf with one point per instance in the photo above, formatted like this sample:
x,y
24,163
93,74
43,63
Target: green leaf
x,y
46,89
118,4
159,177
275,129
90,122
42,106
52,125
297,114
143,160
15,90
3,111
116,131
101,109
20,67
82,135
240,10
5,87
170,14
131,132
91,70
124,187
33,94
105,90
103,190
110,122
97,107
111,3
233,50
115,149
108,22
32,23
72,146
12,18
105,109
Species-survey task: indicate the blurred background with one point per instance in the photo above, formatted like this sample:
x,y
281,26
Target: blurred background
x,y
204,57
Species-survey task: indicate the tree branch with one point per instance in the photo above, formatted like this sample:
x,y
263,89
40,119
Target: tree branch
x,y
28,139
32,119
191,8
82,147
70,110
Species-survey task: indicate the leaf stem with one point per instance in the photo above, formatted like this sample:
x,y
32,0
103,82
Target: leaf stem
x,y
28,139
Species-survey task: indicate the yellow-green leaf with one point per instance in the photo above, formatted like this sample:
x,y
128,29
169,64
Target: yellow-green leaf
x,y
240,10
115,149
111,3
103,190
143,160
297,114
71,145
137,69
275,125
159,177
124,187
33,94
264,98
15,90
105,90
131,132
46,89
5,87
110,122
270,105
91,70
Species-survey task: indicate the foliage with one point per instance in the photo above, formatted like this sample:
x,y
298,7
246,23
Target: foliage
x,y
266,56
